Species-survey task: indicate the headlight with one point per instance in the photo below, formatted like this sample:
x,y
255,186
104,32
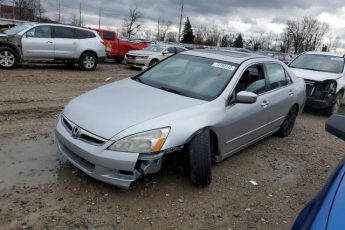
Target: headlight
x,y
143,57
145,142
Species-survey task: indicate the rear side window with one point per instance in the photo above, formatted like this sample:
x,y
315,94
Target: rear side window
x,y
107,35
276,76
63,32
83,34
40,32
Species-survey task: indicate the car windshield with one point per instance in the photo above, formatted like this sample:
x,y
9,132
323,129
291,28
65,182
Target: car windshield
x,y
17,29
190,76
323,63
155,48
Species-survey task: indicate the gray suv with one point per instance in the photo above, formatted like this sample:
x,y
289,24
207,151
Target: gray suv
x,y
51,43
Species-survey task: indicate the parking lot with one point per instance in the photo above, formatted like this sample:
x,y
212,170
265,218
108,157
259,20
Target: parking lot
x,y
39,189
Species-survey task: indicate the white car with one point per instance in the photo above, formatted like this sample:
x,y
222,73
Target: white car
x,y
324,76
51,43
151,55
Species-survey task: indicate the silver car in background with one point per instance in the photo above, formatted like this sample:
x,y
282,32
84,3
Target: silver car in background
x,y
51,43
208,104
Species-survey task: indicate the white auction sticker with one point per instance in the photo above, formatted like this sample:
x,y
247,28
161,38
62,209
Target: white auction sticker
x,y
224,66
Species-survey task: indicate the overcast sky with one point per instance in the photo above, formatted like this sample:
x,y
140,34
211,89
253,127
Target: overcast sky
x,y
245,16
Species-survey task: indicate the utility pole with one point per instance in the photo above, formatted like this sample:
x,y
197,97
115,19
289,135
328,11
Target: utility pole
x,y
99,19
80,24
14,5
39,10
179,30
59,10
158,37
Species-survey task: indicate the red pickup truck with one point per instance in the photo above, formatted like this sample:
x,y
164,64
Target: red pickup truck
x,y
116,48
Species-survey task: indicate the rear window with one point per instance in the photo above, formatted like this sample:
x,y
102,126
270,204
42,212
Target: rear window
x,y
108,35
63,32
83,34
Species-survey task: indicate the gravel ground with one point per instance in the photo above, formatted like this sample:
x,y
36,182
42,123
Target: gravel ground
x,y
40,190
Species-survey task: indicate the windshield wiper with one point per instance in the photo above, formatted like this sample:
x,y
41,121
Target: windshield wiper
x,y
312,69
171,90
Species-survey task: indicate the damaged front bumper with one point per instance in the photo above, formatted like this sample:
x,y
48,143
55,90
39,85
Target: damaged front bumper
x,y
320,95
116,168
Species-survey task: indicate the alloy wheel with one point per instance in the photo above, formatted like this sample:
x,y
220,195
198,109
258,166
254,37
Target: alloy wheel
x,y
7,59
89,62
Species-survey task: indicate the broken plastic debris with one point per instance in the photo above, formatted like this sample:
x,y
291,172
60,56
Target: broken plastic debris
x,y
253,182
108,79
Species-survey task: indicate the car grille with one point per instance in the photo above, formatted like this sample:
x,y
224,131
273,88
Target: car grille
x,y
131,57
84,135
310,87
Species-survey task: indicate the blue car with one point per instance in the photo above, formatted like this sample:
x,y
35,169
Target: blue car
x,y
327,209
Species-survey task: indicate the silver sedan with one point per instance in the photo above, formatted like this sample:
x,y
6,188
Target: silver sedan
x,y
209,104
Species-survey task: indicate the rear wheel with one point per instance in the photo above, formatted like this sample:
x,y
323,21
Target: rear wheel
x,y
335,107
200,159
88,62
8,58
289,122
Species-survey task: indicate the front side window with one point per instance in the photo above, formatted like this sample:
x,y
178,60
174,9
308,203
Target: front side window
x,y
191,76
179,50
39,32
317,62
63,32
171,50
252,80
276,76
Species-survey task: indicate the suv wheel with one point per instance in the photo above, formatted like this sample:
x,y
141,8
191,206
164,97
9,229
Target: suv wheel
x,y
153,62
335,107
289,122
88,61
8,58
200,159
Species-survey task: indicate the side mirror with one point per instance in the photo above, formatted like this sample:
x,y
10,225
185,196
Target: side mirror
x,y
335,125
246,97
165,52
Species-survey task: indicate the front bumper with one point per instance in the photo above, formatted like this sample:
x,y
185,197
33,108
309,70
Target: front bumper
x,y
136,62
318,104
115,168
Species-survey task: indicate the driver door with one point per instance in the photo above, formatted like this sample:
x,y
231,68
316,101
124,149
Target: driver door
x,y
38,43
246,123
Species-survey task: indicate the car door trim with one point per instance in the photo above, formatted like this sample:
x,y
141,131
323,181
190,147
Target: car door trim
x,y
254,130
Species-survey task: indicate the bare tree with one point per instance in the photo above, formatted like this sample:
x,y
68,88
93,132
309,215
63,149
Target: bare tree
x,y
148,34
305,34
74,20
131,25
171,36
163,29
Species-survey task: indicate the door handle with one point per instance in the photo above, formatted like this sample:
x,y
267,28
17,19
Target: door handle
x,y
49,42
265,103
291,93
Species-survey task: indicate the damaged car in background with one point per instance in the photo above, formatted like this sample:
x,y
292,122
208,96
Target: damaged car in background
x,y
324,76
203,104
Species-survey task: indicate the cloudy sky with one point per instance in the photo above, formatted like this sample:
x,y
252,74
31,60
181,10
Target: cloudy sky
x,y
245,16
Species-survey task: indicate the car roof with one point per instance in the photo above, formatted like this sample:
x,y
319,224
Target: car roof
x,y
56,24
325,53
224,55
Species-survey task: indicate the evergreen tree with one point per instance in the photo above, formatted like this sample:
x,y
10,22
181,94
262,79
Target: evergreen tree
x,y
238,43
187,34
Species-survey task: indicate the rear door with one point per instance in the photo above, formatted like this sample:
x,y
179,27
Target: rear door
x,y
280,93
66,45
38,44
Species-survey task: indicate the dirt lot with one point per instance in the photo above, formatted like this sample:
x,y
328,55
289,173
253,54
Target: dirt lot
x,y
39,190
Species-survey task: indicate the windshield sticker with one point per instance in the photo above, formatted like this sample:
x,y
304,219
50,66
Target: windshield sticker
x,y
337,59
223,66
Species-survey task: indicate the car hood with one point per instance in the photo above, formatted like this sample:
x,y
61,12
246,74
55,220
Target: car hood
x,y
142,52
108,110
315,75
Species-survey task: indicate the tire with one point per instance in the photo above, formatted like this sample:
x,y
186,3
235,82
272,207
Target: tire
x,y
199,154
88,62
153,62
8,58
289,122
335,107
